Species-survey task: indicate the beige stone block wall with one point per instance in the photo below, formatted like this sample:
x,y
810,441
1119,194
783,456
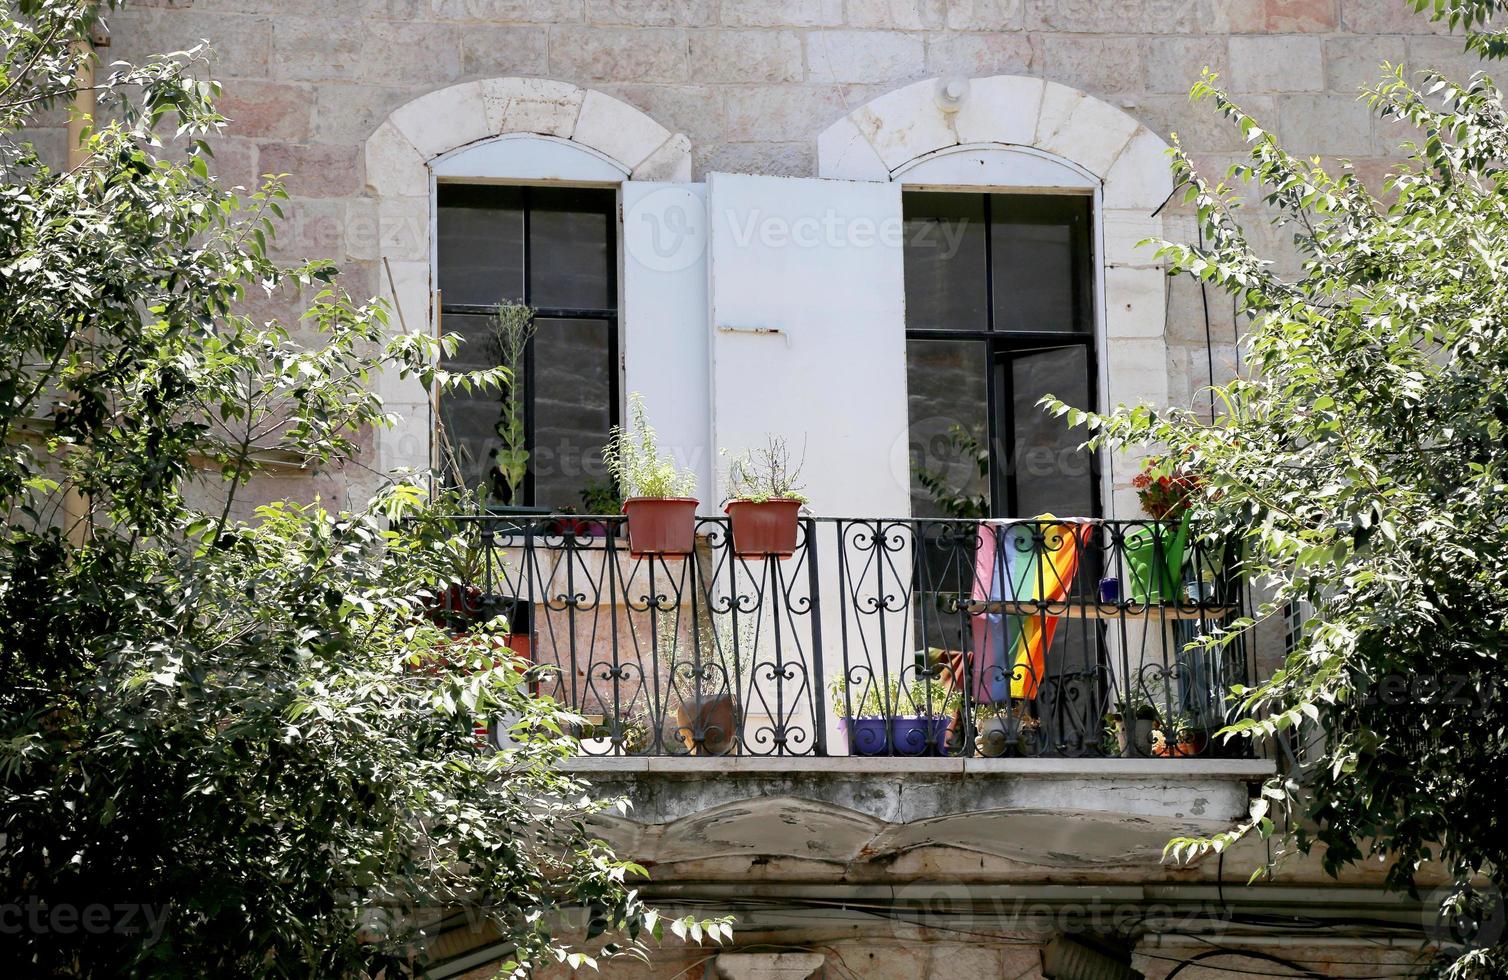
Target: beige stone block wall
x,y
752,83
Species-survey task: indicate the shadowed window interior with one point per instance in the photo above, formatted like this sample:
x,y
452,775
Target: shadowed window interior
x,y
999,313
553,249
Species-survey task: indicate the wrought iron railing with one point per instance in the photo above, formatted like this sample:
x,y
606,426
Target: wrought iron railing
x,y
878,637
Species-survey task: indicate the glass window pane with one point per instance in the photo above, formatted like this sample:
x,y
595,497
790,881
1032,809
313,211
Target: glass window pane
x,y
1039,246
468,420
480,244
573,393
1052,475
949,426
571,248
945,264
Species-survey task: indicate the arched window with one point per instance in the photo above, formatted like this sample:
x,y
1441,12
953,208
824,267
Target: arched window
x,y
508,191
1022,203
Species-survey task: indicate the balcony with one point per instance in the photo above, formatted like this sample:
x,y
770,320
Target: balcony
x,y
1031,693
938,639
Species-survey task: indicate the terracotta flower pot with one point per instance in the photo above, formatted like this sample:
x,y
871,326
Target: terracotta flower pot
x,y
661,525
707,725
764,528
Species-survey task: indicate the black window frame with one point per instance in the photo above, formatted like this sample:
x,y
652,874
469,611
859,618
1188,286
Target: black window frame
x,y
610,315
1001,344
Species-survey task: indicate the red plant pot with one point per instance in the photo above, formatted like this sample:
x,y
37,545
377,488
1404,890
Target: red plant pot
x,y
764,528
661,525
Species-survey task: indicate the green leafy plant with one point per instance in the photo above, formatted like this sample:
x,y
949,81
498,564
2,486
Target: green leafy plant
x,y
1164,489
216,708
891,698
765,474
512,328
634,461
1358,459
601,497
726,666
951,500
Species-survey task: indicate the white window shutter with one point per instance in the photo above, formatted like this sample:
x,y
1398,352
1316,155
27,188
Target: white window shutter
x,y
664,314
808,334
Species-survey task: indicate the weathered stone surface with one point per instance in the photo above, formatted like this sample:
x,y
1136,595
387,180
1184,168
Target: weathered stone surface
x,y
1139,178
784,13
791,159
652,13
1354,63
671,162
239,43
864,56
1277,64
1136,301
1301,15
444,119
768,966
273,110
1100,66
313,169
979,55
1310,124
510,11
1173,64
1385,17
413,53
906,123
780,113
906,15
1124,16
1092,136
1000,110
618,129
1447,54
507,50
306,49
531,105
649,54
350,111
746,56
985,15
695,110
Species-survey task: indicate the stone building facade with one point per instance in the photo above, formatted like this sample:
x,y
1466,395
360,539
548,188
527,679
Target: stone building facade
x,y
377,109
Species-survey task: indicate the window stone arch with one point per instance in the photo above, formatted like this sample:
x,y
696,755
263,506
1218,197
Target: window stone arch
x,y
550,123
1019,131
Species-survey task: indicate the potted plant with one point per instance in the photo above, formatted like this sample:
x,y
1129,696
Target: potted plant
x,y
927,724
707,709
1134,723
862,720
512,329
764,501
659,504
1188,737
1030,739
598,499
996,727
1155,554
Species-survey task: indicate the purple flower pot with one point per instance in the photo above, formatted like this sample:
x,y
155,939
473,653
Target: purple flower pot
x,y
866,736
919,735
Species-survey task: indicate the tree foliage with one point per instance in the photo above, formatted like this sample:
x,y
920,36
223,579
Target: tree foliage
x,y
236,746
1361,457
